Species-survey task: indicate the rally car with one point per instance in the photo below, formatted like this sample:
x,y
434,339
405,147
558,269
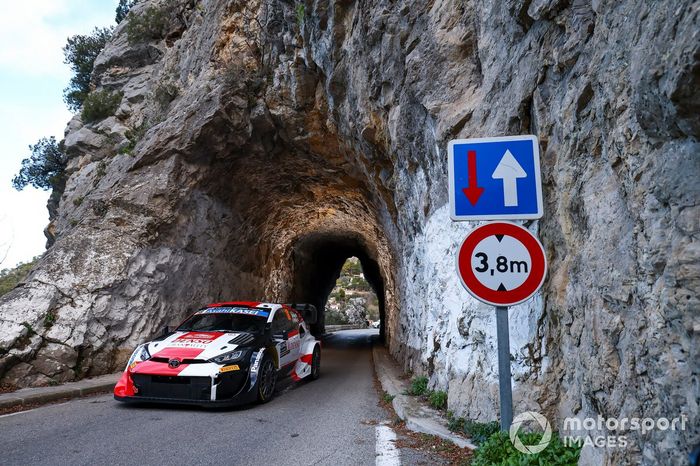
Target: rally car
x,y
224,354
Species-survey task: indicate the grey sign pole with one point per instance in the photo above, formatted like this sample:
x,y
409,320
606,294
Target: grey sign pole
x,y
504,387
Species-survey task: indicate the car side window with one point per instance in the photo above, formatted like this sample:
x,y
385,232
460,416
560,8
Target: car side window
x,y
296,323
280,323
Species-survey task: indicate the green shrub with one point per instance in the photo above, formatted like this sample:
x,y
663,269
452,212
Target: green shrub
x,y
499,450
100,104
45,169
454,423
151,24
30,329
438,399
134,135
479,432
419,386
100,172
49,319
300,11
80,53
388,398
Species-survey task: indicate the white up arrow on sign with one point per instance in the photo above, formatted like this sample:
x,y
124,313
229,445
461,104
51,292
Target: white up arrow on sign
x,y
509,170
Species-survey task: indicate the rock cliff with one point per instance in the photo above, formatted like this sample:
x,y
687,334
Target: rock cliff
x,y
259,144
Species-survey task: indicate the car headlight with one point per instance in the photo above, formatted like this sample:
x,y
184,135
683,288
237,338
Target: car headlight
x,y
140,354
226,358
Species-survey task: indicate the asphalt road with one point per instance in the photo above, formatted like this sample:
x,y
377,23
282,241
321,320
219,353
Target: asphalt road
x,y
333,420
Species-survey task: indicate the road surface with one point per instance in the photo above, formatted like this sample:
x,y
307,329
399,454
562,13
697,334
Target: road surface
x,y
335,420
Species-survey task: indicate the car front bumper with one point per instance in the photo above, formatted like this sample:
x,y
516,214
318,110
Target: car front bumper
x,y
222,389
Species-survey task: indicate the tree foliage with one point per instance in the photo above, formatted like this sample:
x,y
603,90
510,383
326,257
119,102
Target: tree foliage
x,y
80,53
45,168
123,9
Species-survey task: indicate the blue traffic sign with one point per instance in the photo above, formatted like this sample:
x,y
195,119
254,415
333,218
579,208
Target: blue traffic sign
x,y
495,178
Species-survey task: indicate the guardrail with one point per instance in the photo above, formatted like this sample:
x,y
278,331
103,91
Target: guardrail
x,y
335,328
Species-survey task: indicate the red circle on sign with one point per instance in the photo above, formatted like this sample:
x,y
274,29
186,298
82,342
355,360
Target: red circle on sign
x,y
509,297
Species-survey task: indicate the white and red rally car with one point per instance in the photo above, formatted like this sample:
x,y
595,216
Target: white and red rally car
x,y
224,354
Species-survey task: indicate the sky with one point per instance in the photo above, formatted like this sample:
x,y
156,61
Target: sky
x,y
32,79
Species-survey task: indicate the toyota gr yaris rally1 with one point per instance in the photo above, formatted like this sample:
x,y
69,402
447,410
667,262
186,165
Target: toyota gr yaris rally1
x,y
224,354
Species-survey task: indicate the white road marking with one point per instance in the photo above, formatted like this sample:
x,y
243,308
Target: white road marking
x,y
30,410
387,453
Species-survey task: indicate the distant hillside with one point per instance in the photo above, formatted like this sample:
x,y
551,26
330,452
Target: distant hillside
x,y
352,301
9,278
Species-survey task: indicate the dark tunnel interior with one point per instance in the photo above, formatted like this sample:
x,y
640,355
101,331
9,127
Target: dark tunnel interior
x,y
318,259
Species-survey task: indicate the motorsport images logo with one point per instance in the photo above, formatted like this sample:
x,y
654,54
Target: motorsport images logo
x,y
530,416
597,432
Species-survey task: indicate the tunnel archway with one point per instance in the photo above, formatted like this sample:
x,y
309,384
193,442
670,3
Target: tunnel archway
x,y
317,262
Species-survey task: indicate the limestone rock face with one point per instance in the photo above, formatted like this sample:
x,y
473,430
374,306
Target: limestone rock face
x,y
259,144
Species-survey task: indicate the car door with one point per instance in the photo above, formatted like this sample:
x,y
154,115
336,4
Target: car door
x,y
294,335
286,339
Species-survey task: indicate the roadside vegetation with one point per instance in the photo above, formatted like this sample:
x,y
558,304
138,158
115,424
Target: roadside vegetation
x,y
478,432
435,398
494,447
9,278
499,450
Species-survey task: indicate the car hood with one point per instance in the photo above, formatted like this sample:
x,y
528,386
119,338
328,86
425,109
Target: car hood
x,y
197,345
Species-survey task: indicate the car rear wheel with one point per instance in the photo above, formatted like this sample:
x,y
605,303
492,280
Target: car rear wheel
x,y
315,364
267,379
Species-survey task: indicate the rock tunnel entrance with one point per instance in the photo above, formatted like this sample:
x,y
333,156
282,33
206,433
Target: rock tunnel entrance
x,y
317,262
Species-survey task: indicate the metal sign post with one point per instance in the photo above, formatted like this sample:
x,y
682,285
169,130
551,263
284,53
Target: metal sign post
x,y
502,264
504,385
499,263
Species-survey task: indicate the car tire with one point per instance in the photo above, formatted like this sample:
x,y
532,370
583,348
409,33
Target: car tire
x,y
267,379
315,364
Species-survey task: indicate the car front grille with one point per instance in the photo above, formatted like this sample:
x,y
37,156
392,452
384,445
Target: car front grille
x,y
184,361
172,387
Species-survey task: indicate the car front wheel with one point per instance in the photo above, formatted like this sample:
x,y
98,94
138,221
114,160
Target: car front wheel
x,y
267,378
316,364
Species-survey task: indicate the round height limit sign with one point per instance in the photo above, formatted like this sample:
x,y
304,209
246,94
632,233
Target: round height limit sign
x,y
501,263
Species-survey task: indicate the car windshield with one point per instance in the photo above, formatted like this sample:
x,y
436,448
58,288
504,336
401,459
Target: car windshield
x,y
215,322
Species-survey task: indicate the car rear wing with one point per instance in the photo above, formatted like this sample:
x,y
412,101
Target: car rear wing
x,y
308,312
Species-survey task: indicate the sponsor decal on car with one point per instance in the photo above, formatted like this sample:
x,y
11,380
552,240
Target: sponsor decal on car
x,y
256,364
235,310
293,343
229,368
283,349
195,340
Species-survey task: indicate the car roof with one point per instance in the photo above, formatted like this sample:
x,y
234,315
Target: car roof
x,y
253,304
272,308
